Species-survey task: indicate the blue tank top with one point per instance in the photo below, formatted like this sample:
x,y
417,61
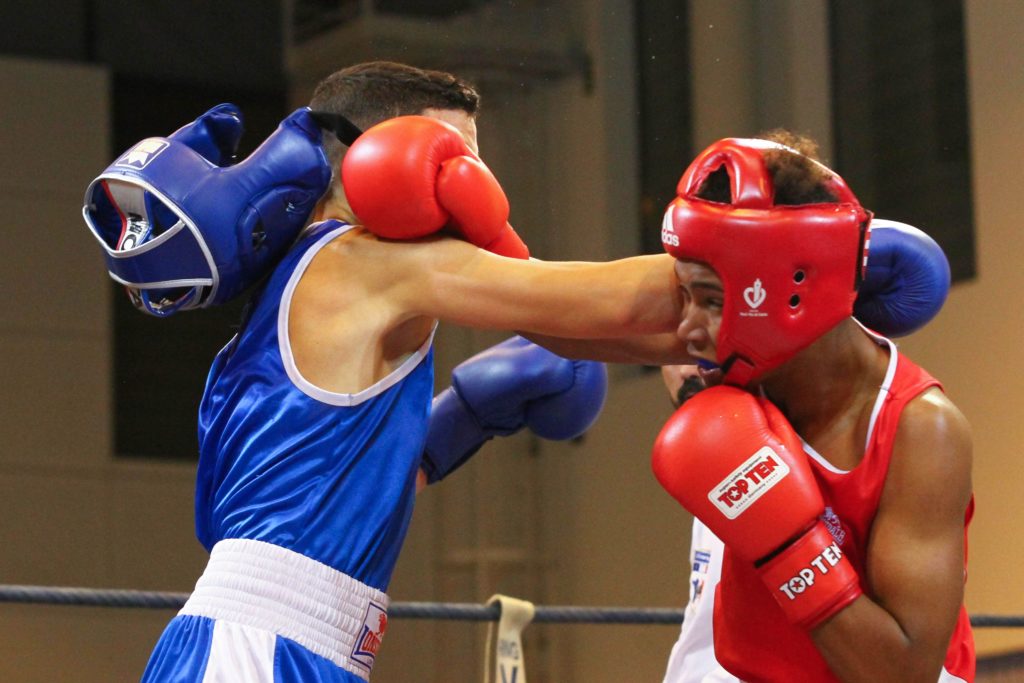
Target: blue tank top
x,y
330,476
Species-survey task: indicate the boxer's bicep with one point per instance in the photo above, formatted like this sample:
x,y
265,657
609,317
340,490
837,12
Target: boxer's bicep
x,y
915,562
916,557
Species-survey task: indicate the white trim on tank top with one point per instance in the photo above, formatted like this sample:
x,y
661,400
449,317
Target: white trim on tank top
x,y
288,359
883,393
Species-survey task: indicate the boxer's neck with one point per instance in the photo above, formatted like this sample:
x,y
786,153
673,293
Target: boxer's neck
x,y
334,205
827,385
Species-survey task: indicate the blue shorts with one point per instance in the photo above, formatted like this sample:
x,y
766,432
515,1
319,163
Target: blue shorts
x,y
261,613
202,650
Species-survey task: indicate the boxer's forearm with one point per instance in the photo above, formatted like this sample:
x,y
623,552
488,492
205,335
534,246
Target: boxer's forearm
x,y
645,349
864,643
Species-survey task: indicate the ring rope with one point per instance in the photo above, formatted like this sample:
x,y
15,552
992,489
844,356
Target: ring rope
x,y
557,614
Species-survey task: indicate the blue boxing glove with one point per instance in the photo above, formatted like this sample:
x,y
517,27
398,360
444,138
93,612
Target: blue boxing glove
x,y
499,391
907,280
181,232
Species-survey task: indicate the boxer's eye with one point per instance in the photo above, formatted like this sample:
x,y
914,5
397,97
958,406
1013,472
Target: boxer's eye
x,y
709,298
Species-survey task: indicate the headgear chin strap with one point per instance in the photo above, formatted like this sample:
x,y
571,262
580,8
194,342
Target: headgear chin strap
x,y
180,232
789,273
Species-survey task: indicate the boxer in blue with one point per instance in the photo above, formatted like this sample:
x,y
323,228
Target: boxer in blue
x,y
314,423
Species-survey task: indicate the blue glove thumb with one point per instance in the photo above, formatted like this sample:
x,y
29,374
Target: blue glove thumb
x,y
907,280
214,135
567,414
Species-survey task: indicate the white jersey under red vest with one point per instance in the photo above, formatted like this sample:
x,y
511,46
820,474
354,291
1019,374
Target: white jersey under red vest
x,y
693,655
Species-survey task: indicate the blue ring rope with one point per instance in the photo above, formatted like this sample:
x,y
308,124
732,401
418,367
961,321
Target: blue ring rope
x,y
94,597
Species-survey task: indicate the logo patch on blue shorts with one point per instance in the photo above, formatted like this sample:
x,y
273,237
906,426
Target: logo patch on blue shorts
x,y
375,623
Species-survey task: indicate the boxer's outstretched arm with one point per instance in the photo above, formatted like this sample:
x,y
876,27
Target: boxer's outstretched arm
x,y
646,349
457,282
915,559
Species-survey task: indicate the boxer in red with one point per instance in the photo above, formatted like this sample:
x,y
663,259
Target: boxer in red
x,y
835,470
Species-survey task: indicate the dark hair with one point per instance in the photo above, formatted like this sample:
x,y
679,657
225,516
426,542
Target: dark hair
x,y
690,387
371,92
796,178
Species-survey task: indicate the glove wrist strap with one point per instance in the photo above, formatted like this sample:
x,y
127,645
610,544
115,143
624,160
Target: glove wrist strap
x,y
811,579
454,436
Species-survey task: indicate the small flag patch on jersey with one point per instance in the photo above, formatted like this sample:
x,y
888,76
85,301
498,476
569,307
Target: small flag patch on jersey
x,y
701,561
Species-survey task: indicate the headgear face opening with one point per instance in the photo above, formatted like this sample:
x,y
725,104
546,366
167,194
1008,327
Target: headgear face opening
x,y
789,273
152,247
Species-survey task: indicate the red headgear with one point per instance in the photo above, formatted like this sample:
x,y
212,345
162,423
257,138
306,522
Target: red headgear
x,y
789,273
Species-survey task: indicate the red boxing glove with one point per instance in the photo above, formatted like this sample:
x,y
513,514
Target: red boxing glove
x,y
412,176
734,461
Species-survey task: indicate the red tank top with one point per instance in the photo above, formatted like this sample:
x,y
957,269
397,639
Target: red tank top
x,y
753,638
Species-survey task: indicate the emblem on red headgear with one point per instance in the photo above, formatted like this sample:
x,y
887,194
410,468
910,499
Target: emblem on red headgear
x,y
789,273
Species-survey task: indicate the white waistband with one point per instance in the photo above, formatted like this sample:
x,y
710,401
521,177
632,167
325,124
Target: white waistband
x,y
268,587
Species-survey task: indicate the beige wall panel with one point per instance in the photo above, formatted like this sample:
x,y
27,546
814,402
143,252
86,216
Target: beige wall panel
x,y
619,538
724,67
415,579
57,401
975,344
150,537
50,258
44,644
55,136
794,88
54,528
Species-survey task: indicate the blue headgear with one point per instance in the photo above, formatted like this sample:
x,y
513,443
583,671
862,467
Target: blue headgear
x,y
181,232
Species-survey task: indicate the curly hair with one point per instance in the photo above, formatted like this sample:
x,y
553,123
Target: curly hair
x,y
797,179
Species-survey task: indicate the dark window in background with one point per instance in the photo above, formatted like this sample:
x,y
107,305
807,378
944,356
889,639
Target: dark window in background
x,y
434,8
665,123
900,115
160,364
168,66
30,30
